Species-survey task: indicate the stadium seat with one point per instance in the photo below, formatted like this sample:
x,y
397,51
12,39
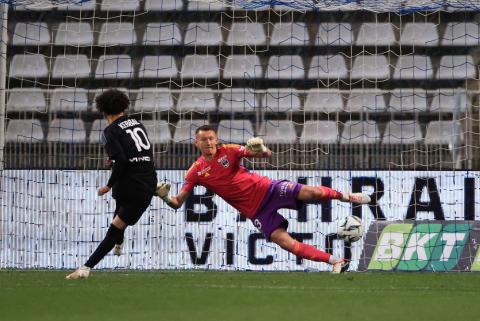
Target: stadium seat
x,y
158,131
200,100
419,34
444,132
285,67
205,5
323,101
235,131
71,130
117,33
162,34
319,132
289,34
185,130
158,67
376,34
238,100
461,34
242,67
280,100
402,132
456,67
28,66
200,67
114,66
37,5
450,101
120,5
334,34
163,5
278,132
26,100
31,34
374,67
413,67
361,100
71,66
95,135
69,100
24,131
203,34
360,132
74,34
246,34
153,100
84,5
327,67
409,100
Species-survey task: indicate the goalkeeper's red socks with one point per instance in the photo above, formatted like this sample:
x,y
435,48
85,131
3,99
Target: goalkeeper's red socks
x,y
329,194
311,253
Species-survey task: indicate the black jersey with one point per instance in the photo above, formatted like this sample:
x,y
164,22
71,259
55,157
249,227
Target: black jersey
x,y
127,145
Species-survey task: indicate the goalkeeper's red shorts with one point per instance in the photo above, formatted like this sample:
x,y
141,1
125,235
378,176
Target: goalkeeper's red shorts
x,y
280,194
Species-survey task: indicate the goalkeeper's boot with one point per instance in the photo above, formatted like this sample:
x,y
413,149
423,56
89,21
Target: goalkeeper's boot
x,y
356,198
81,273
338,267
118,249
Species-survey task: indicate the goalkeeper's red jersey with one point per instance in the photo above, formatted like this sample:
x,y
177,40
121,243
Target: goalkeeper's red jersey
x,y
225,176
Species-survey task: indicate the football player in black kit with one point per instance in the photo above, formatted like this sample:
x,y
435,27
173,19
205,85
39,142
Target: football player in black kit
x,y
133,179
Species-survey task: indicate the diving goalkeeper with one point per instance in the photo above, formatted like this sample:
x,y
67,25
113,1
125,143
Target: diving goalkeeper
x,y
257,197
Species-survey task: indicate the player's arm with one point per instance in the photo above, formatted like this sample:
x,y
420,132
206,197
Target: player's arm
x,y
174,202
256,148
119,163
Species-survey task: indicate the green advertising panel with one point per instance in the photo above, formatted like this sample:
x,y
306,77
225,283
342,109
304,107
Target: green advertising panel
x,y
449,247
419,247
390,246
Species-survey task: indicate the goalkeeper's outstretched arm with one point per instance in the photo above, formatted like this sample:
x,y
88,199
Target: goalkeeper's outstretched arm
x,y
257,149
174,202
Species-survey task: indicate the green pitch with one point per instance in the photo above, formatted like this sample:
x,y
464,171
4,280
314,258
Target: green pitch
x,y
245,296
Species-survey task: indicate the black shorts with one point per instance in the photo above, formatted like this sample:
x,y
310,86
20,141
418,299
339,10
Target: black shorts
x,y
130,210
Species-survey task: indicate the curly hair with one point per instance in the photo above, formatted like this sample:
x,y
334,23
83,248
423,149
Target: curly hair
x,y
112,102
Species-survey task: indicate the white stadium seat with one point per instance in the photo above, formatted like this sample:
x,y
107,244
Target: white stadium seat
x,y
374,67
158,131
289,34
24,131
84,5
242,67
278,132
158,67
444,132
201,100
334,34
162,34
26,99
450,101
71,130
163,5
238,100
69,100
402,132
235,131
280,100
319,132
360,132
419,34
461,34
408,100
153,100
246,34
361,100
203,34
117,33
200,67
28,66
120,5
31,34
376,34
71,66
74,34
323,101
96,131
457,67
205,5
185,130
327,67
285,67
413,67
114,66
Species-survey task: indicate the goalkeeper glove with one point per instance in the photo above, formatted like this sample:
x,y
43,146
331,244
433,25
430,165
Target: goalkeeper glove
x,y
256,145
162,191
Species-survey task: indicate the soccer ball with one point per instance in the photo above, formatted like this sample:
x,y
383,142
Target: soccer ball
x,y
351,230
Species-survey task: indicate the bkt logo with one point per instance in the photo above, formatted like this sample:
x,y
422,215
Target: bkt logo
x,y
430,247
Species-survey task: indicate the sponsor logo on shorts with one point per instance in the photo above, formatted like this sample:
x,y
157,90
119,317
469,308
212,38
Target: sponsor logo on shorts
x,y
284,188
257,224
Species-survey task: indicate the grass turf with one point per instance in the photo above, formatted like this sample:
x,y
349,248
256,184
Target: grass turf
x,y
246,296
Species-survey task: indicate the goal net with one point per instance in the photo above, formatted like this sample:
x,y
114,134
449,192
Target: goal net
x,y
373,96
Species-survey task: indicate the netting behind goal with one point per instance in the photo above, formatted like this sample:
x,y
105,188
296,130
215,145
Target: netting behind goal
x,y
373,96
